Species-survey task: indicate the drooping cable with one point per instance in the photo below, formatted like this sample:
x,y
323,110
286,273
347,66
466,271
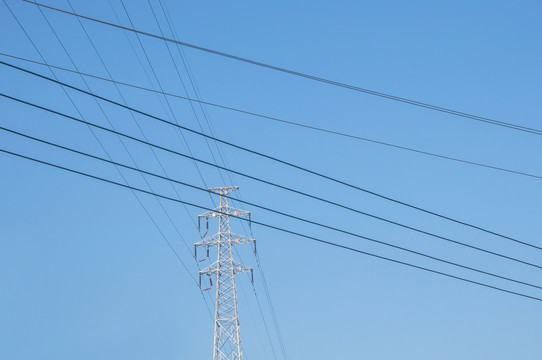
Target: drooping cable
x,y
173,224
291,232
342,231
272,184
308,76
151,218
194,86
276,160
289,122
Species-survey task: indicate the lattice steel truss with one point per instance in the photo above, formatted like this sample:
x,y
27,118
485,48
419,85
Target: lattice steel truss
x,y
227,340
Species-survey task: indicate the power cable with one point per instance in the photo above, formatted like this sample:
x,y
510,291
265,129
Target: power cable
x,y
264,322
271,307
182,136
254,322
273,184
275,227
144,136
152,90
274,159
165,98
151,148
103,147
289,122
177,71
267,209
193,83
308,76
107,117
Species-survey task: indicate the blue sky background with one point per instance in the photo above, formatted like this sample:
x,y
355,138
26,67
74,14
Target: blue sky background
x,y
85,274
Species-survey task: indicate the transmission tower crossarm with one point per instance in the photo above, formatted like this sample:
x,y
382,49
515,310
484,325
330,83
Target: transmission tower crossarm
x,y
212,269
214,240
230,211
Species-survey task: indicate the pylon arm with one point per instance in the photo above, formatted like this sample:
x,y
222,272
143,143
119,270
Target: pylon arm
x,y
236,239
211,270
229,211
208,241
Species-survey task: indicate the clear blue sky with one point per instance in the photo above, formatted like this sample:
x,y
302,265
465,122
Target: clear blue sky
x,y
84,274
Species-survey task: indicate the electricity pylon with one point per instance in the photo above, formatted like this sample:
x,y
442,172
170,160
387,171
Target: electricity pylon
x,y
227,340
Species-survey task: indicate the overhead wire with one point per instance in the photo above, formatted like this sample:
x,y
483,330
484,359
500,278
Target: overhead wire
x,y
342,231
257,300
274,227
254,321
172,112
138,127
107,117
177,71
145,137
158,81
209,125
276,160
165,98
170,246
196,92
264,321
271,307
466,245
150,82
175,227
293,123
103,111
139,61
307,76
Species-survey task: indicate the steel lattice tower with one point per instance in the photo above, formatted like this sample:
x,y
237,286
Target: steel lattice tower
x,y
227,339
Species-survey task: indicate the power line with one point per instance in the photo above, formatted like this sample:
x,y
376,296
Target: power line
x,y
184,87
273,227
263,348
271,307
175,227
102,146
191,78
273,184
132,115
289,122
105,114
222,157
264,322
177,71
308,76
153,90
266,208
267,157
107,117
133,118
167,102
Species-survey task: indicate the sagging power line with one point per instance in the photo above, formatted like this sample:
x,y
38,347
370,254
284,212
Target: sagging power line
x,y
176,181
313,238
270,183
305,75
355,187
287,122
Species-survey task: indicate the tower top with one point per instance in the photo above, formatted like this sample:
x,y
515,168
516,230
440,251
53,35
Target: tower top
x,y
224,190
